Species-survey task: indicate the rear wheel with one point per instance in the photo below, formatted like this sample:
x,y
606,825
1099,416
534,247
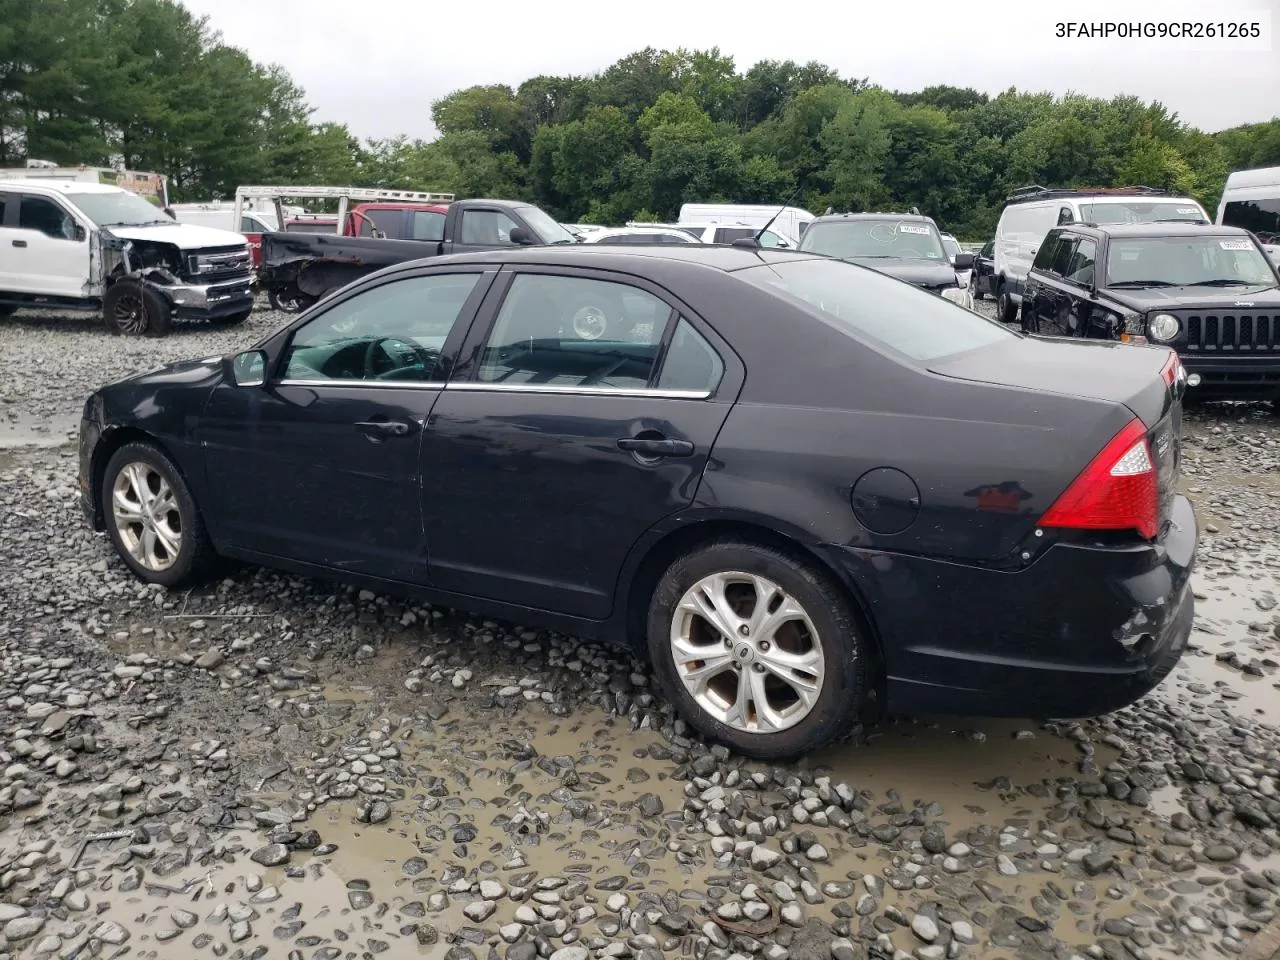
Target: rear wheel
x,y
288,301
152,518
136,309
757,650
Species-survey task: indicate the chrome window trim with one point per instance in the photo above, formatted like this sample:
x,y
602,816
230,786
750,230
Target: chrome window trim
x,y
648,392
385,384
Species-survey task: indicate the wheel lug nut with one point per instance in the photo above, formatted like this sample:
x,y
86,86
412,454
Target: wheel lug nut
x,y
758,668
728,642
744,630
764,646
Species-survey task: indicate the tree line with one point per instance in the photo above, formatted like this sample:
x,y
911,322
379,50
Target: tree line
x,y
147,84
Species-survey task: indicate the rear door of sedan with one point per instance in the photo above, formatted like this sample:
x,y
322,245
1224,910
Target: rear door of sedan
x,y
561,439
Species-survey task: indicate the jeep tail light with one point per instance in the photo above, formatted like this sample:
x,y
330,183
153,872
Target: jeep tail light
x,y
1116,491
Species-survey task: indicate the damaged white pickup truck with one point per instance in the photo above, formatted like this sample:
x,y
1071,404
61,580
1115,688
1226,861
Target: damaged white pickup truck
x,y
98,248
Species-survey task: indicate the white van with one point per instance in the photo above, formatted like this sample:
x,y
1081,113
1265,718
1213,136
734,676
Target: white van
x,y
791,222
1033,211
222,216
1251,201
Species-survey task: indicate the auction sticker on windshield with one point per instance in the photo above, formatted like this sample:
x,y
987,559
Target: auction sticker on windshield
x,y
1235,244
1189,210
913,228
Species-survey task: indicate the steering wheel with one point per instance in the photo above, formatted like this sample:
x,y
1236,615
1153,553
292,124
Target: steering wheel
x,y
422,356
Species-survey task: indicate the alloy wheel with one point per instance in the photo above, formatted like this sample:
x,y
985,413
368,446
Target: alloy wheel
x,y
144,508
747,652
130,315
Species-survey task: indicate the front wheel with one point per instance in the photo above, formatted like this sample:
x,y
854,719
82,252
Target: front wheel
x,y
288,302
152,518
1006,310
136,309
757,650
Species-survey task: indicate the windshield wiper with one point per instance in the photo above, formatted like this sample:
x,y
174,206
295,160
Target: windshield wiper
x,y
1224,282
1140,283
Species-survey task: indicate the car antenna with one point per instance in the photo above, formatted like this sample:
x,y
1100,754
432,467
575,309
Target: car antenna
x,y
754,242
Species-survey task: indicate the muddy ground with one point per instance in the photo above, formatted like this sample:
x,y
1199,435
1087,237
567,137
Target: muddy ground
x,y
275,767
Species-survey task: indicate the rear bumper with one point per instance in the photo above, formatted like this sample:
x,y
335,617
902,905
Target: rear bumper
x,y
1080,632
1234,377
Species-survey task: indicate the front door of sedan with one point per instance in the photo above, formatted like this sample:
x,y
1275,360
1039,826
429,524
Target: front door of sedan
x,y
551,454
321,463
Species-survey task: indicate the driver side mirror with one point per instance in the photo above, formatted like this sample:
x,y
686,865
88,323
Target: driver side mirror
x,y
963,261
522,237
248,369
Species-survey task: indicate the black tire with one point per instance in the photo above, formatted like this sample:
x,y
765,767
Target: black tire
x,y
286,302
1006,309
845,652
973,287
195,556
136,309
6,312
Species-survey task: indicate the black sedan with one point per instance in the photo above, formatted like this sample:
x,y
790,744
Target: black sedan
x,y
793,480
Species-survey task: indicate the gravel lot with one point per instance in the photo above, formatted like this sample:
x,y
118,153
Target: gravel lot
x,y
275,767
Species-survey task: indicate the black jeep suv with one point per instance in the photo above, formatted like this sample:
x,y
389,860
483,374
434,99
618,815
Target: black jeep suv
x,y
1209,292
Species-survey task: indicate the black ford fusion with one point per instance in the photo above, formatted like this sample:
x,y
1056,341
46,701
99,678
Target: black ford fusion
x,y
795,481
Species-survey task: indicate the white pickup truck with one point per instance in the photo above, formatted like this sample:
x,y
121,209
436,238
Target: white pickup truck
x,y
71,245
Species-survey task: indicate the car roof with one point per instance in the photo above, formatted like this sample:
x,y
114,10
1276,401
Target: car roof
x,y
61,186
1166,229
838,217
623,258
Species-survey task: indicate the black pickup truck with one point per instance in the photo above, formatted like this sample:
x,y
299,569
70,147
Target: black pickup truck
x,y
300,268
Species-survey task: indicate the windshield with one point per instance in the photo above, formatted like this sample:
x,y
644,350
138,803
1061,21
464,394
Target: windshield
x,y
950,245
872,306
898,239
545,227
1187,261
1140,211
118,209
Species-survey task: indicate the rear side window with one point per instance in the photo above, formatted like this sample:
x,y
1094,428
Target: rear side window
x,y
428,225
1259,216
3,201
1044,258
1062,256
574,332
730,234
871,306
390,222
691,363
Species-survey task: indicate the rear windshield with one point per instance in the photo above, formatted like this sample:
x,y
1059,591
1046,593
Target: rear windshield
x,y
879,239
871,306
1140,211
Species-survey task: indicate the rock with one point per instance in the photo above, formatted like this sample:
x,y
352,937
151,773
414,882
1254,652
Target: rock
x,y
934,839
1097,863
924,927
842,949
478,911
271,855
210,660
962,931
817,853
762,858
110,932
1221,853
569,953
23,928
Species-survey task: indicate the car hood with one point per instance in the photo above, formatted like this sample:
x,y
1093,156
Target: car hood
x,y
1196,298
181,373
923,273
184,236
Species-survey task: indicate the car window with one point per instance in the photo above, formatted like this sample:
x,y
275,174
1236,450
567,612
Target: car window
x,y
1048,249
390,222
868,305
988,250
1260,216
486,227
770,239
395,331
1080,269
730,234
42,214
3,201
574,332
1061,264
691,363
428,225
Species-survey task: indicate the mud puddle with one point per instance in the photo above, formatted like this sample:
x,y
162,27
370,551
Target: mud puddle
x,y
22,430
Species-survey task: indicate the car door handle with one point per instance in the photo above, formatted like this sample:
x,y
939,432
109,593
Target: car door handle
x,y
384,428
656,447
19,243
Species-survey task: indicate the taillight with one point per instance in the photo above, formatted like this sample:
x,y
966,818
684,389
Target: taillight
x,y
1116,491
1172,371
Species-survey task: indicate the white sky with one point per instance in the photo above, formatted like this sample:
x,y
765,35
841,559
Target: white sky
x,y
377,65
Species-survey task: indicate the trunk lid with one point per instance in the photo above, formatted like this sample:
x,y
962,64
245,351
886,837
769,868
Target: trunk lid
x,y
1123,373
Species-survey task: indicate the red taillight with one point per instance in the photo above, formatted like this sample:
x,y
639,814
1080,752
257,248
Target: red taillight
x,y
1116,491
1172,367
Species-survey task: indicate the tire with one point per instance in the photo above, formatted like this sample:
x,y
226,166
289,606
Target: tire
x,y
1006,311
286,302
973,288
192,556
133,309
6,312
841,671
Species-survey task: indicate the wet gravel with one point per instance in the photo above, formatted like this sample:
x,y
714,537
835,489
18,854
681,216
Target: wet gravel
x,y
268,766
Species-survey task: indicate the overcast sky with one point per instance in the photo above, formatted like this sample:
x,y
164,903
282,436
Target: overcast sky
x,y
376,65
